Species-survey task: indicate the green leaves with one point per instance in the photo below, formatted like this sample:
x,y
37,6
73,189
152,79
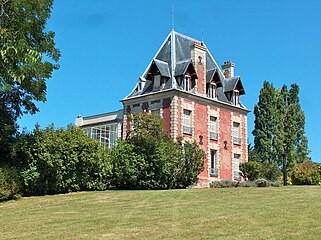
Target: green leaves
x,y
279,126
58,161
27,56
149,159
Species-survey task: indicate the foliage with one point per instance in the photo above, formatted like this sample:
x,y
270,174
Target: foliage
x,y
27,58
262,182
279,128
149,159
225,183
306,173
251,170
190,164
9,184
58,161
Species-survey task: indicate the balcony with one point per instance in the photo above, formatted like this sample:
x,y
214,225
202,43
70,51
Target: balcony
x,y
213,136
213,172
187,130
237,140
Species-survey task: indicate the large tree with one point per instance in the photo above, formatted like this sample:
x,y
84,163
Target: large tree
x,y
27,59
279,127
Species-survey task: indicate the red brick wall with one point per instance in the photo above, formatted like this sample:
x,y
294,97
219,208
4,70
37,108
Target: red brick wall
x,y
167,115
200,129
225,154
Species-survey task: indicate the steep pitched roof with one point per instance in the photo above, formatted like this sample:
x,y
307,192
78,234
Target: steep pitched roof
x,y
173,58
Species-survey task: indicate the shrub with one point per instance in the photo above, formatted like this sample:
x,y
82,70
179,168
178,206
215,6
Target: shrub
x,y
58,161
9,184
262,182
306,173
225,183
251,170
190,164
149,159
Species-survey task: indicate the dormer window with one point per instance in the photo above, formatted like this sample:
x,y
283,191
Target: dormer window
x,y
186,83
236,98
157,81
212,91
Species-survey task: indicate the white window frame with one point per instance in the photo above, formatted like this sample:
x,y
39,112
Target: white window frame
x,y
213,128
212,91
106,135
236,133
186,83
236,166
187,121
213,163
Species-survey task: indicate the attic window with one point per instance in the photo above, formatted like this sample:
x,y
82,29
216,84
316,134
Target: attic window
x,y
212,91
236,98
157,79
186,83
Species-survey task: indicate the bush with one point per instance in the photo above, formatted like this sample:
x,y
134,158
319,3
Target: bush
x,y
54,161
306,173
149,159
225,183
262,182
251,170
9,184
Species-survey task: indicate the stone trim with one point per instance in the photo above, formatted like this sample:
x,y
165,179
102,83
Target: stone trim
x,y
174,118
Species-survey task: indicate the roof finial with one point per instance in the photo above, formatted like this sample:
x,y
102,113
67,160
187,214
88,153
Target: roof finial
x,y
173,16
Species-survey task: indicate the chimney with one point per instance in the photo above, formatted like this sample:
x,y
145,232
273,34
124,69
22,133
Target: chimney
x,y
228,69
198,55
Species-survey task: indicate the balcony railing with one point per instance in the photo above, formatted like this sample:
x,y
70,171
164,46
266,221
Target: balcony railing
x,y
237,140
214,172
213,135
187,130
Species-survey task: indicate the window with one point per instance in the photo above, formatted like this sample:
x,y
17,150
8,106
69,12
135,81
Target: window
x,y
106,135
187,122
214,164
236,98
213,128
236,162
236,133
157,79
186,83
212,91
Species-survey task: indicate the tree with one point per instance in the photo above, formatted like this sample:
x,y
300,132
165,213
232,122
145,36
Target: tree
x,y
279,128
150,159
295,142
305,173
54,161
27,58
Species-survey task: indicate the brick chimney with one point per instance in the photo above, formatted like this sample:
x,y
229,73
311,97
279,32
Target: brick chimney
x,y
198,55
228,69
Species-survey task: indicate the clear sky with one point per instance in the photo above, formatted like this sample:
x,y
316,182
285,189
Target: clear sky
x,y
107,45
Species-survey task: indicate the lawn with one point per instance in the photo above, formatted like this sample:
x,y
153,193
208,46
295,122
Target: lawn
x,y
241,213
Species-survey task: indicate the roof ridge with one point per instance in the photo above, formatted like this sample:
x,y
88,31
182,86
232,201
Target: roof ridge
x,y
187,37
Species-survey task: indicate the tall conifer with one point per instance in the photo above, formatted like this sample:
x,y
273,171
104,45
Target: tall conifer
x,y
279,127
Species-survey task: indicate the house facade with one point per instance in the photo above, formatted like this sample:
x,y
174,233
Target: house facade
x,y
197,100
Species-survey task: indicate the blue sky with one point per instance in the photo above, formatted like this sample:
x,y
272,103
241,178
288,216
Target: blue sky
x,y
107,45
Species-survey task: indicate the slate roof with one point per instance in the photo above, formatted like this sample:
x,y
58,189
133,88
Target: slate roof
x,y
172,60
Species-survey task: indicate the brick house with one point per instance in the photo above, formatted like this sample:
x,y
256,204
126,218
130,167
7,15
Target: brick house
x,y
196,99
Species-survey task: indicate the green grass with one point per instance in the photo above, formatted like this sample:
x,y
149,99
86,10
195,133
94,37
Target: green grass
x,y
241,213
